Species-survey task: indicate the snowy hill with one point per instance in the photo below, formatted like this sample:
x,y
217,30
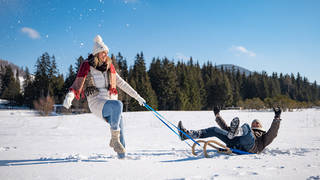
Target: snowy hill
x,y
15,69
76,147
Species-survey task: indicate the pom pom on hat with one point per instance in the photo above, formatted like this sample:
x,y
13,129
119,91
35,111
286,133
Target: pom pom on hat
x,y
99,45
98,39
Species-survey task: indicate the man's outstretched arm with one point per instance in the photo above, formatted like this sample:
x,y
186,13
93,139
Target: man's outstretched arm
x,y
273,131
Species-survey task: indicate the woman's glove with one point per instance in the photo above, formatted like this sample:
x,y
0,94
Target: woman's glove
x,y
141,100
68,99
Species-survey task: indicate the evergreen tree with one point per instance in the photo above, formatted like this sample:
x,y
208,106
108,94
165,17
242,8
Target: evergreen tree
x,y
274,85
197,91
314,92
263,88
227,93
191,94
299,87
208,73
70,79
139,80
183,98
56,82
318,96
53,69
155,73
57,85
123,72
18,79
78,63
164,81
292,87
47,81
123,67
219,91
19,98
6,77
41,80
237,83
306,90
251,86
285,84
28,89
2,71
244,82
10,86
234,85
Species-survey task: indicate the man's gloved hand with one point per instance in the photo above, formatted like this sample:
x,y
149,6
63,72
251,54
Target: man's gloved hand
x,y
141,101
68,99
277,112
216,110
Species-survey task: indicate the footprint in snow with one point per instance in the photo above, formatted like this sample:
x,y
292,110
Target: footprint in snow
x,y
7,148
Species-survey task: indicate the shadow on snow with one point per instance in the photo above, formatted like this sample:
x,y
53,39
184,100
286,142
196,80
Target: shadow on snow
x,y
40,161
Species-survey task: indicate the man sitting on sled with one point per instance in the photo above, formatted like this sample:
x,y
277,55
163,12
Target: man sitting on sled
x,y
250,139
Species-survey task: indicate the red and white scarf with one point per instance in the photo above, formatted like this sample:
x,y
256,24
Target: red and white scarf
x,y
78,85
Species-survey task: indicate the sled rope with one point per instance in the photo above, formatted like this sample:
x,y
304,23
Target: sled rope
x,y
161,118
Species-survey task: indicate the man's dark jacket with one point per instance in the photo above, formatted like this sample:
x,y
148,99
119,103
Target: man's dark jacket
x,y
262,138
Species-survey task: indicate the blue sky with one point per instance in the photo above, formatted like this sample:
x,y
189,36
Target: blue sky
x,y
271,35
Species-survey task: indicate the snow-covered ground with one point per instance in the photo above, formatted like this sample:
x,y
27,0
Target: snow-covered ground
x,y
76,147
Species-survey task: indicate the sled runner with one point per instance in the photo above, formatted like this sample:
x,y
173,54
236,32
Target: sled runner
x,y
221,148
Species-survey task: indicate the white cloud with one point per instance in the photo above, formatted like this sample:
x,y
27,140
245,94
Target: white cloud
x,y
33,34
242,50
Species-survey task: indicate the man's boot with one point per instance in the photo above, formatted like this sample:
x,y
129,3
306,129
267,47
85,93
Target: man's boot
x,y
191,133
116,144
234,128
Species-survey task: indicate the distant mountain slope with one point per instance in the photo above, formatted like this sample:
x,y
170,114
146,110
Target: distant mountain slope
x,y
15,68
4,63
230,66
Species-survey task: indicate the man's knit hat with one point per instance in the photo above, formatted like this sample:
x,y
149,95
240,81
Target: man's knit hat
x,y
99,45
259,125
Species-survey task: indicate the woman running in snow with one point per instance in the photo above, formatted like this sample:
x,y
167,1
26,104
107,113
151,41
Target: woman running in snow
x,y
250,139
97,79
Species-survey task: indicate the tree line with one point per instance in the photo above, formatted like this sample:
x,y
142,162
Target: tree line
x,y
167,85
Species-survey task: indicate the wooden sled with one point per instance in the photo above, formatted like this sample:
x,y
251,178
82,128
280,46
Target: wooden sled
x,y
221,148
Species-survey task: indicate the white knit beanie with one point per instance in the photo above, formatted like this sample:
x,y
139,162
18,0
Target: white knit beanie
x,y
259,127
99,45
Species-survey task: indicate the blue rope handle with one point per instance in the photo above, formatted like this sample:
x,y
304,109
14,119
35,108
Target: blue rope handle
x,y
166,124
160,117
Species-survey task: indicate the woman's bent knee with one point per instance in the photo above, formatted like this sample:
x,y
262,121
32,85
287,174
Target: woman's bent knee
x,y
117,104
